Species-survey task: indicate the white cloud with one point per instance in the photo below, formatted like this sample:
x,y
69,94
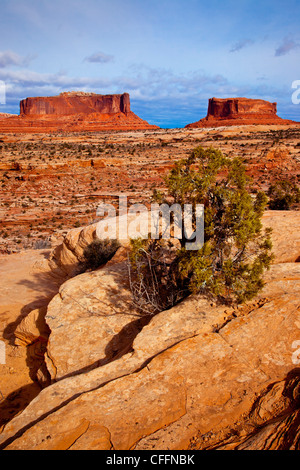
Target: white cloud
x,y
99,58
286,46
149,83
8,58
241,44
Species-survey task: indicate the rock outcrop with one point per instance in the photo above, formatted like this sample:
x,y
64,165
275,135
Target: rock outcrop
x,y
96,306
74,112
65,258
194,375
198,376
239,111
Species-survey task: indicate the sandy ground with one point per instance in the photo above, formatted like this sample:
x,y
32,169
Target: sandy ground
x,y
25,284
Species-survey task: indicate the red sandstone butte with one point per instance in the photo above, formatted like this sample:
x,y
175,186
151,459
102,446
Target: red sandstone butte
x,y
240,111
74,112
75,103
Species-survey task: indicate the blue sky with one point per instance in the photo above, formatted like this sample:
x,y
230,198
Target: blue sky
x,y
171,56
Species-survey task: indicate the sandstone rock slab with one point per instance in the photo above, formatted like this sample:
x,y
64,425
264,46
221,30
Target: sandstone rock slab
x,y
91,320
167,391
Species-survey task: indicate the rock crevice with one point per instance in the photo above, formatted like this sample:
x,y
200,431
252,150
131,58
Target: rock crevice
x,y
191,376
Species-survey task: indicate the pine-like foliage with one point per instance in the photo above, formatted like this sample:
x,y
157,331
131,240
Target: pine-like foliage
x,y
236,251
98,253
283,194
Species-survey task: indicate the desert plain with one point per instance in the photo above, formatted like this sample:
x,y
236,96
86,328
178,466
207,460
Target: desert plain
x,y
51,184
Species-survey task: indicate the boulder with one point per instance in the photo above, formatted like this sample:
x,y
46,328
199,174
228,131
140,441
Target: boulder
x,y
65,259
285,227
32,328
94,309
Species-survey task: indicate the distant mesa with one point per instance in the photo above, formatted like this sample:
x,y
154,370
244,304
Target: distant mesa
x,y
74,112
240,111
78,111
72,103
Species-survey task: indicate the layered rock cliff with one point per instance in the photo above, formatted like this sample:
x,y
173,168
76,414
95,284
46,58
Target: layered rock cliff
x,y
74,112
239,111
75,103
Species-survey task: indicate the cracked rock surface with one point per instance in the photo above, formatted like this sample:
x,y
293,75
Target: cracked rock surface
x,y
194,377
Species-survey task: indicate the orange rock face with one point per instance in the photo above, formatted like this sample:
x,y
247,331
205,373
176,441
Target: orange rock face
x,y
75,103
239,111
74,112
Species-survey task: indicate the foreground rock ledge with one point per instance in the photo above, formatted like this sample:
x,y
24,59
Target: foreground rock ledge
x,y
192,371
196,376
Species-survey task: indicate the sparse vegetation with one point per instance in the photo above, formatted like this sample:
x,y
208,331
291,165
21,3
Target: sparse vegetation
x,y
98,253
283,194
230,265
55,169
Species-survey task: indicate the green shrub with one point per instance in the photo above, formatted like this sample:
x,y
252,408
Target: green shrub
x,y
230,265
98,253
283,194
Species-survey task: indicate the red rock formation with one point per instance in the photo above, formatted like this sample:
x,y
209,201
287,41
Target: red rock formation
x,y
75,103
74,112
239,111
